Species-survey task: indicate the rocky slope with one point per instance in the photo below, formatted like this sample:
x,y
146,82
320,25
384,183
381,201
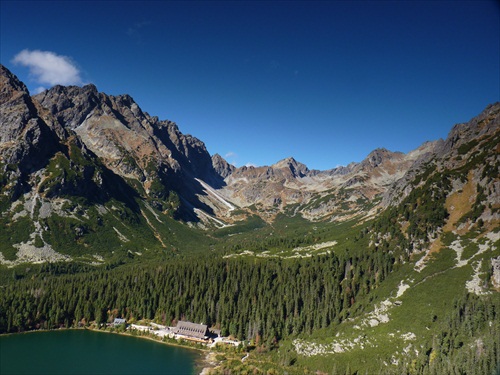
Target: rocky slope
x,y
26,138
133,144
337,194
449,196
467,146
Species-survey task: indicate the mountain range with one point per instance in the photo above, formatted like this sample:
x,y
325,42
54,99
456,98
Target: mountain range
x,y
80,169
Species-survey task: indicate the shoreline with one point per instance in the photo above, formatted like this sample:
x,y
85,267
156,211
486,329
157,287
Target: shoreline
x,y
201,365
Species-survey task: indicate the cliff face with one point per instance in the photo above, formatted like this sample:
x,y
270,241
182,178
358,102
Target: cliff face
x,y
22,127
28,138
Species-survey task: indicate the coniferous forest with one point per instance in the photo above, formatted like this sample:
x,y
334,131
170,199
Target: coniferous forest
x,y
262,301
248,299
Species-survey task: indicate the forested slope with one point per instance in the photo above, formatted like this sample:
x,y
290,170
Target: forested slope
x,y
265,299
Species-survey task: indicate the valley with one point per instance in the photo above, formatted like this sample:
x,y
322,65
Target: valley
x,y
389,265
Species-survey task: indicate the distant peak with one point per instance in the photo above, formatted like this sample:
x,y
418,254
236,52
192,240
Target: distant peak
x,y
221,166
377,156
298,169
73,91
90,87
10,80
286,162
380,150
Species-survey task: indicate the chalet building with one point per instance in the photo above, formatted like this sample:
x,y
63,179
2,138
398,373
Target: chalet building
x,y
192,330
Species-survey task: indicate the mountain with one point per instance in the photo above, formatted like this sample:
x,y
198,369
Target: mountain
x,y
83,170
336,195
26,139
131,143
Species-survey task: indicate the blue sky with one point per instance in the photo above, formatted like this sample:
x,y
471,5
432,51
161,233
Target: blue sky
x,y
325,82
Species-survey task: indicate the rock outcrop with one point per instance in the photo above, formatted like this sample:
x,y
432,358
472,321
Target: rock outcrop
x,y
221,166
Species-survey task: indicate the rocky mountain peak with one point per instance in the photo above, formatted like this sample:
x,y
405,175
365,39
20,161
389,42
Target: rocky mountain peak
x,y
378,156
297,169
133,144
221,166
10,84
69,104
285,163
486,122
16,107
466,143
26,139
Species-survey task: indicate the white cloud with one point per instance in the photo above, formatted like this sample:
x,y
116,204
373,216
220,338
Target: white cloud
x,y
231,155
250,165
49,68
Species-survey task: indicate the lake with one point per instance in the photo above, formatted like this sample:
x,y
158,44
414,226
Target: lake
x,y
68,352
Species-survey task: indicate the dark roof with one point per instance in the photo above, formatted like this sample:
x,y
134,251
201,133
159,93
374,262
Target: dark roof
x,y
192,329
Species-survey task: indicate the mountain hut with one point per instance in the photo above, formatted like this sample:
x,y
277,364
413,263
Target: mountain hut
x,y
189,329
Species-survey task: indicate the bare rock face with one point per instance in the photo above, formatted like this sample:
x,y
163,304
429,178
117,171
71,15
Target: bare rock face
x,y
116,129
112,127
38,156
292,168
221,166
16,107
495,265
27,138
70,104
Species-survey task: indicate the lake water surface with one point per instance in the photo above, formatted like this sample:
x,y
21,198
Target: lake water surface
x,y
68,352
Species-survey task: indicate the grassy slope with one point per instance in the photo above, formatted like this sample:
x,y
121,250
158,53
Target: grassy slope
x,y
424,309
